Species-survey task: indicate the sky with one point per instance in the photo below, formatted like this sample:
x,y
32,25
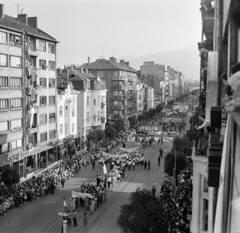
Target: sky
x,y
119,28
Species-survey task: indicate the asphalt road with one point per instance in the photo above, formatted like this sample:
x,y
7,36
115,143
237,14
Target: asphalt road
x,y
42,215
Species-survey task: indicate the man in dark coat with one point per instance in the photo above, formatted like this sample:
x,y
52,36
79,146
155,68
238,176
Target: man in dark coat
x,y
159,158
148,163
153,191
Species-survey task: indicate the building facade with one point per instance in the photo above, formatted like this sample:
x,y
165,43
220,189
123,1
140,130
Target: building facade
x,y
28,90
91,100
121,82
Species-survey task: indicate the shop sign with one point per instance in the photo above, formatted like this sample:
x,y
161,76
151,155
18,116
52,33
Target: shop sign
x,y
149,128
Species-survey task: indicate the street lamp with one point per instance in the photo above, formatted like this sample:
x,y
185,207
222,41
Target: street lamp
x,y
94,116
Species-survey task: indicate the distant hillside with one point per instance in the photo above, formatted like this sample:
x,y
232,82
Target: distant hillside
x,y
185,60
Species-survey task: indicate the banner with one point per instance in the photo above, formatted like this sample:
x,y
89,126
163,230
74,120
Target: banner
x,y
129,150
114,155
81,195
149,128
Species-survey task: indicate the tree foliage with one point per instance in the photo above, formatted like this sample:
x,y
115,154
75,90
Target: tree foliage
x,y
159,108
10,176
92,136
152,112
100,134
133,120
142,214
181,144
169,163
191,135
110,132
121,124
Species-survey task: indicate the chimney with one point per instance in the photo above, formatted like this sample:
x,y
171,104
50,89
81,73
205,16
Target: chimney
x,y
88,60
32,21
127,64
112,60
81,69
86,71
22,18
115,60
122,62
1,10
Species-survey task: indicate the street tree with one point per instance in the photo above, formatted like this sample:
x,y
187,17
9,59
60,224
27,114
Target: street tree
x,y
159,108
121,124
152,112
100,134
110,132
181,144
92,136
133,120
10,176
141,117
169,163
142,214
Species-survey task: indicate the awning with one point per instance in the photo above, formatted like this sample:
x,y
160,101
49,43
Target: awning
x,y
40,148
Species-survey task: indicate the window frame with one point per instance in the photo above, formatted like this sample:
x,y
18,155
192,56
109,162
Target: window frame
x,y
40,47
14,43
51,114
51,64
44,133
17,107
2,153
88,115
6,37
40,104
7,130
49,100
10,63
17,148
11,81
55,134
18,128
3,54
50,50
4,109
43,81
49,84
61,129
6,80
43,65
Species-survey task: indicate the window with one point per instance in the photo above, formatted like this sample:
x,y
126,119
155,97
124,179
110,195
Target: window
x,y
17,144
3,82
51,65
52,117
66,108
43,137
60,111
16,124
100,74
15,61
43,64
3,60
52,134
4,126
61,129
115,73
87,116
43,101
3,104
51,100
15,40
72,128
99,116
51,48
94,102
65,128
3,37
15,83
43,82
204,215
51,83
42,46
87,101
4,148
43,119
16,103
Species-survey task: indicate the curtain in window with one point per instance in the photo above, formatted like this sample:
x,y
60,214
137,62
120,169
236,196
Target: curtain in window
x,y
15,61
3,60
3,81
4,104
3,37
16,124
3,126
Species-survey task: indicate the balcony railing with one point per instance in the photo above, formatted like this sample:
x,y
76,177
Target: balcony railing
x,y
119,87
118,97
201,143
117,107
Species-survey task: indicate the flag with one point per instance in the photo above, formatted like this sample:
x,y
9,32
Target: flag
x,y
65,209
104,169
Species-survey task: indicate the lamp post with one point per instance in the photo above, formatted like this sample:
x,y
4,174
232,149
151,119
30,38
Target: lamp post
x,y
85,120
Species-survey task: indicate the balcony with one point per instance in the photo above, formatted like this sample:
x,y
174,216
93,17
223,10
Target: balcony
x,y
118,97
201,143
117,107
119,87
118,78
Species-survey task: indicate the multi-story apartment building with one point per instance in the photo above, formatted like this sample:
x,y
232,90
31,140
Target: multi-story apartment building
x,y
66,110
27,96
216,162
91,100
121,82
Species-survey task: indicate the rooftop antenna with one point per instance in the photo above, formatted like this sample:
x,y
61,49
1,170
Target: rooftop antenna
x,y
21,11
18,7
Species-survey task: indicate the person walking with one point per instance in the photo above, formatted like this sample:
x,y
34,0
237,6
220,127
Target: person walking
x,y
62,181
148,164
164,152
133,165
153,191
93,164
161,152
159,159
85,220
75,218
145,164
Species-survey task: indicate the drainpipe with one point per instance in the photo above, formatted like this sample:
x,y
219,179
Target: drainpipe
x,y
24,99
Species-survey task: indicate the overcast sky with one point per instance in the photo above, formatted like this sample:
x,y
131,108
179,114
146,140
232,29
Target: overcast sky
x,y
97,28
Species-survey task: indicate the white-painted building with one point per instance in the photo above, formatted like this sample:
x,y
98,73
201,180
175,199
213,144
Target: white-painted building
x,y
67,111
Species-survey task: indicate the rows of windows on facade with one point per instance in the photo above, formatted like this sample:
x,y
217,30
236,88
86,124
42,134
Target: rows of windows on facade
x,y
15,61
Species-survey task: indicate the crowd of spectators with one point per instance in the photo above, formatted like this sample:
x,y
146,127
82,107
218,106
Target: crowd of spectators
x,y
177,204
